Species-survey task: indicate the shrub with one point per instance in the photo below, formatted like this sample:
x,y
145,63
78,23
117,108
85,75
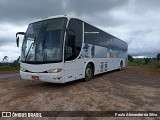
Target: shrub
x,y
5,67
158,56
157,64
147,60
130,58
9,66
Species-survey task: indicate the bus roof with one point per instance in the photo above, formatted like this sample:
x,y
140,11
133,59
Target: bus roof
x,y
51,17
69,17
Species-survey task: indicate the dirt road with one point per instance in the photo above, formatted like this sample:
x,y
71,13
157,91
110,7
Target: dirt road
x,y
132,89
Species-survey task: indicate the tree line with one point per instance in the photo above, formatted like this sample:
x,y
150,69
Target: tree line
x,y
6,65
153,62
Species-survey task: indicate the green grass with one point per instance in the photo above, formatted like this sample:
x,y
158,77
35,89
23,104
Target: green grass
x,y
144,63
9,66
155,64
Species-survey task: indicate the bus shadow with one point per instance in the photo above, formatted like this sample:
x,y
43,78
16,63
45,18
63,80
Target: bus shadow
x,y
56,85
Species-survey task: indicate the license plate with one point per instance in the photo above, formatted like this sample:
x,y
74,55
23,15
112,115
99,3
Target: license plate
x,y
35,78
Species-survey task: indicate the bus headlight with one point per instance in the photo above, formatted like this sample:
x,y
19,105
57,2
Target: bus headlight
x,y
23,69
56,70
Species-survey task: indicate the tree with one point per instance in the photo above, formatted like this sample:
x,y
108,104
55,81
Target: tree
x,y
18,59
158,56
147,60
130,58
5,59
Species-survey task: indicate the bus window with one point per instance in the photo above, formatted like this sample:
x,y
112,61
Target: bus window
x,y
70,48
73,39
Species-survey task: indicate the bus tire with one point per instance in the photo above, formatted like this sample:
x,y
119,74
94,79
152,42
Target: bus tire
x,y
89,72
121,65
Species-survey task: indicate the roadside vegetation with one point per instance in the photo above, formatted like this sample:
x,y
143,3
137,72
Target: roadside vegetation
x,y
146,62
9,66
5,65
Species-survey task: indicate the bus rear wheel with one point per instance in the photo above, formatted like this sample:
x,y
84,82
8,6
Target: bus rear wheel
x,y
89,73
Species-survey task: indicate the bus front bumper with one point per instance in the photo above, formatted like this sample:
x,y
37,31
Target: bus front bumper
x,y
45,77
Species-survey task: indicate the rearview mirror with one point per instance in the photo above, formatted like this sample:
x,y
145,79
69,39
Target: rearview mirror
x,y
20,33
17,38
17,41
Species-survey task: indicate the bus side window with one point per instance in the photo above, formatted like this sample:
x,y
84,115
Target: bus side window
x,y
70,48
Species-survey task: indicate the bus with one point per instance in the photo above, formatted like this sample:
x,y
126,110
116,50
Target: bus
x,y
60,49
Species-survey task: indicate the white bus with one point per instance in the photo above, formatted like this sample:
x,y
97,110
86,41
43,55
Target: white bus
x,y
60,49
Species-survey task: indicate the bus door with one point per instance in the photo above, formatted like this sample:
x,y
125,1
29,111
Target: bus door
x,y
73,44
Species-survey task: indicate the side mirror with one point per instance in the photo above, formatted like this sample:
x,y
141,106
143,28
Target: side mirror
x,y
17,38
20,33
17,41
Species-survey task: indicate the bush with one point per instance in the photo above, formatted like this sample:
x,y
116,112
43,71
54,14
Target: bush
x,y
157,64
137,62
147,60
9,66
158,56
130,58
150,62
5,67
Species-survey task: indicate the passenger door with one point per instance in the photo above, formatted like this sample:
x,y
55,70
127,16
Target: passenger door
x,y
73,44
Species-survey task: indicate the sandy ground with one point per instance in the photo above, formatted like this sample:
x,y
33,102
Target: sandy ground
x,y
8,72
132,89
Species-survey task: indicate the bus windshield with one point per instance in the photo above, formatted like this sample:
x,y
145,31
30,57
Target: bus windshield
x,y
43,42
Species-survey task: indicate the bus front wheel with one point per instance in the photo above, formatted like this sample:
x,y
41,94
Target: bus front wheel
x,y
89,73
121,65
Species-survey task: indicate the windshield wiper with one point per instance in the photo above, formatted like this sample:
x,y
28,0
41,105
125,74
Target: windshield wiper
x,y
30,48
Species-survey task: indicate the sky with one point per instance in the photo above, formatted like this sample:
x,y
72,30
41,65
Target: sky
x,y
136,22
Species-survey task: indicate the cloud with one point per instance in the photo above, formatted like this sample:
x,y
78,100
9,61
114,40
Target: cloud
x,y
9,50
8,32
141,6
8,40
93,7
134,21
22,10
